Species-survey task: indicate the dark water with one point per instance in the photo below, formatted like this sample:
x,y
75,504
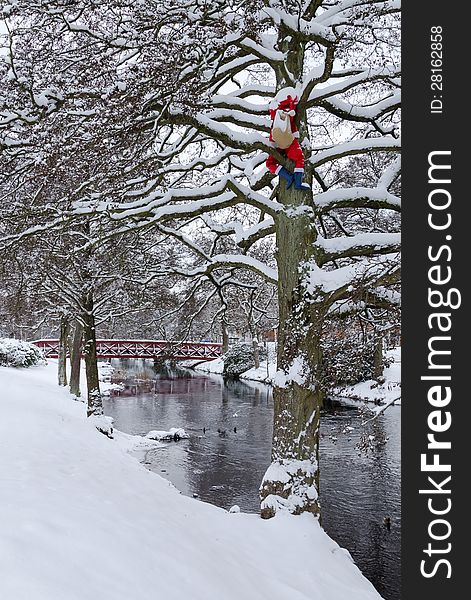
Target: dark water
x,y
358,488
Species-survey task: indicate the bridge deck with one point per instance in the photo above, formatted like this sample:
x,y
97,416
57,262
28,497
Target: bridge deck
x,y
143,349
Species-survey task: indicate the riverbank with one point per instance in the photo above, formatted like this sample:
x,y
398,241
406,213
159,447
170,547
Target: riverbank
x,y
81,519
384,392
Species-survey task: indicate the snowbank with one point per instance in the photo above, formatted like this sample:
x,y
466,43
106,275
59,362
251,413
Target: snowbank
x,y
265,373
379,393
174,433
81,519
260,374
365,391
211,366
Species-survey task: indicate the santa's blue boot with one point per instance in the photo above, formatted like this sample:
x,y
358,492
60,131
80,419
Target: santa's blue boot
x,y
298,181
287,176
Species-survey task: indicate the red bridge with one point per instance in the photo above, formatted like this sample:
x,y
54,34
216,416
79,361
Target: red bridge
x,y
143,349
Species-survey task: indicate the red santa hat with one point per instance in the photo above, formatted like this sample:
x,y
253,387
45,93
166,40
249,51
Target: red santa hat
x,y
286,99
289,105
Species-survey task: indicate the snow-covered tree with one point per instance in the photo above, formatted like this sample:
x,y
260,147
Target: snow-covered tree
x,y
175,95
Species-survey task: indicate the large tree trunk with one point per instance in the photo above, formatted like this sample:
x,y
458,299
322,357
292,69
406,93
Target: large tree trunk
x,y
225,336
63,347
378,355
94,400
256,352
75,360
292,480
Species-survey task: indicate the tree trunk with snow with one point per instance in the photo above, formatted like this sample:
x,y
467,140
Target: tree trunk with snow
x,y
225,336
62,361
75,360
292,480
256,352
94,400
378,355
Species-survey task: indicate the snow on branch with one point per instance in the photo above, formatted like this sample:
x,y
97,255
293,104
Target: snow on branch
x,y
232,102
357,197
317,75
244,261
390,174
236,65
160,206
249,164
379,144
311,30
379,297
362,244
244,237
249,90
379,410
348,111
246,141
240,118
230,137
340,87
266,54
339,283
236,261
200,163
251,235
343,12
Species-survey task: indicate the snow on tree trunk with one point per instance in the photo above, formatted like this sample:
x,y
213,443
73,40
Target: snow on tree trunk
x,y
292,480
62,362
75,359
94,400
225,336
256,353
378,355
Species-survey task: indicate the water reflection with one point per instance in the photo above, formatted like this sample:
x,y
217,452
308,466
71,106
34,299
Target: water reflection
x,y
360,489
225,467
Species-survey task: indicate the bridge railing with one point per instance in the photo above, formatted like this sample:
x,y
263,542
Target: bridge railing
x,y
162,349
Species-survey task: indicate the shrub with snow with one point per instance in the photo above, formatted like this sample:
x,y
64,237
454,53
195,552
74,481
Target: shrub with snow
x,y
15,353
239,358
348,360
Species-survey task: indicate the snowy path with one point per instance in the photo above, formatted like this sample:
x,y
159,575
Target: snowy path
x,y
80,519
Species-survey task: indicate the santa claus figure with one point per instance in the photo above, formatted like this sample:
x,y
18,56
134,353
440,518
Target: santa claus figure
x,y
284,135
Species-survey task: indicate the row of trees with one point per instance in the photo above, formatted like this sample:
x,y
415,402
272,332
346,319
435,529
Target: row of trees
x,y
142,128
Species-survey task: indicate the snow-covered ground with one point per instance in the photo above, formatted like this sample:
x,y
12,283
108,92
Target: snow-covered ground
x,y
265,373
380,393
81,519
261,374
210,366
366,391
